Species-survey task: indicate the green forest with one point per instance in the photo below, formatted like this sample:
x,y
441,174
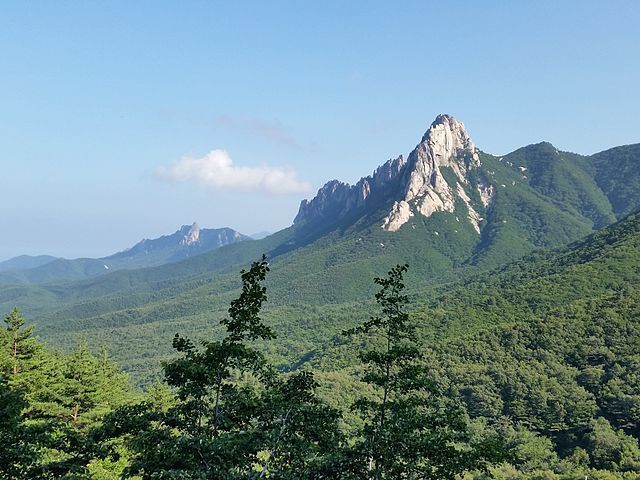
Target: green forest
x,y
225,412
528,372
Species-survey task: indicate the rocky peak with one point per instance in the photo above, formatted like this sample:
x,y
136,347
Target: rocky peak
x,y
447,137
191,234
445,144
415,185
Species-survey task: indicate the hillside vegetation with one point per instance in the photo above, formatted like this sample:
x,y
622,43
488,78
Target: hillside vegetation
x,y
540,359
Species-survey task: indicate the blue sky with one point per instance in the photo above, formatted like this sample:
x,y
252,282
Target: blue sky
x,y
124,120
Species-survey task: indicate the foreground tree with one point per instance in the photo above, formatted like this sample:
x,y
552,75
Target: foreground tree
x,y
49,401
410,431
16,453
21,344
234,416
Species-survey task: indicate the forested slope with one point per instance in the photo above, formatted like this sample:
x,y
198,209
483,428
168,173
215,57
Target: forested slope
x,y
545,352
542,354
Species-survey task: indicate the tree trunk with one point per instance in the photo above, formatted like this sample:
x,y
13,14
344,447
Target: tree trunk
x,y
15,355
74,413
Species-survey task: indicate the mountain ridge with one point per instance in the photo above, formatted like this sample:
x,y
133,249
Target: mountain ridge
x,y
22,262
187,241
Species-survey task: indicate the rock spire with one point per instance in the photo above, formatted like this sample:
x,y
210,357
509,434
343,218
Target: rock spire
x,y
434,178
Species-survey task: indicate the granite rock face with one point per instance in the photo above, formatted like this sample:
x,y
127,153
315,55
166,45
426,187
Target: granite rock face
x,y
426,191
336,199
417,186
191,236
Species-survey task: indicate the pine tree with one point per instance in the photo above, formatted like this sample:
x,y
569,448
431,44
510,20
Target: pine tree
x,y
16,453
410,431
90,386
21,345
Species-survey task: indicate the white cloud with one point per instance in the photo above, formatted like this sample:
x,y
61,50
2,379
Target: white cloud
x,y
216,170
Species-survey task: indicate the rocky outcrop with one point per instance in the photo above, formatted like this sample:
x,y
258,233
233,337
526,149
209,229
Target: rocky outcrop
x,y
192,236
445,144
434,178
336,199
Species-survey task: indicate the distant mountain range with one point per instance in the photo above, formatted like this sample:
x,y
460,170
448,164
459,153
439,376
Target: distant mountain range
x,y
23,262
448,209
188,241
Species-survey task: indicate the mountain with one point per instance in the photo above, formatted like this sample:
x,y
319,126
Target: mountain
x,y
59,270
449,209
23,262
440,175
188,241
617,173
487,209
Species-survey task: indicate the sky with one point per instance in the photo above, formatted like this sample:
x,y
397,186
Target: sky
x,y
124,120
